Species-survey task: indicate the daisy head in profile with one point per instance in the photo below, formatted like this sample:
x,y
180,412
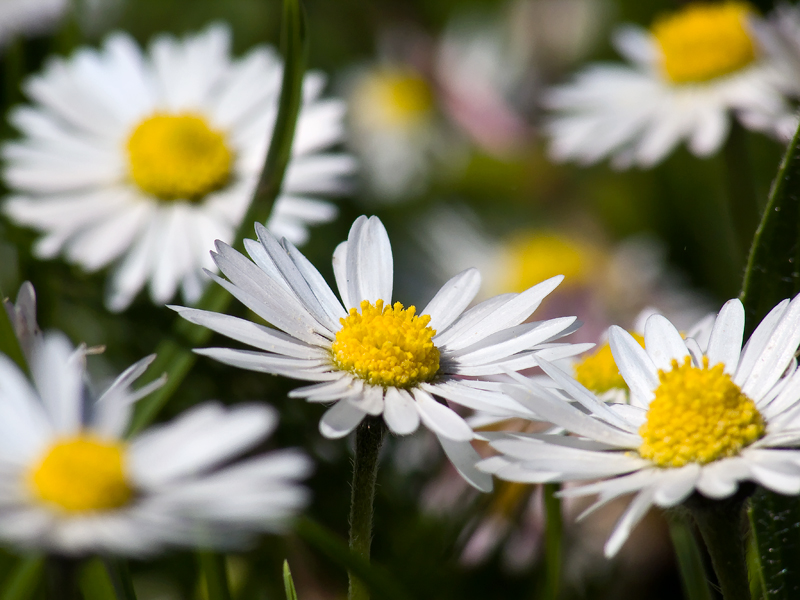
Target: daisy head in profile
x,y
685,77
142,160
372,356
72,484
703,417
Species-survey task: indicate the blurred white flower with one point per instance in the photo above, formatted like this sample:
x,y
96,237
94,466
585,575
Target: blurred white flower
x,y
145,160
29,17
604,284
688,73
371,357
394,128
71,484
699,419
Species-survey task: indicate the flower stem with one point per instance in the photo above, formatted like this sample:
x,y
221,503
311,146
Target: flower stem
x,y
722,525
369,438
690,561
553,530
213,567
62,578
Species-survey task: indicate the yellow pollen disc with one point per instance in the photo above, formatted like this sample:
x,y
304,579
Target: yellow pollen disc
x,y
178,157
82,474
532,258
703,41
395,98
698,415
388,346
599,373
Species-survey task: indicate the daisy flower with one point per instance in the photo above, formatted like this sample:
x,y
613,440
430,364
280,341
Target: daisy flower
x,y
394,129
143,160
687,73
370,356
71,484
700,419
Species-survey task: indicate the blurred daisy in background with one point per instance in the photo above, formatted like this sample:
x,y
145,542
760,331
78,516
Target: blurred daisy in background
x,y
29,17
780,35
605,284
144,160
395,128
700,419
71,484
687,74
372,357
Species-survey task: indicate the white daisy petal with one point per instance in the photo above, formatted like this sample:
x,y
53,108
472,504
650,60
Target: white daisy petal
x,y
464,458
340,419
663,343
635,366
725,343
441,419
637,509
451,300
400,412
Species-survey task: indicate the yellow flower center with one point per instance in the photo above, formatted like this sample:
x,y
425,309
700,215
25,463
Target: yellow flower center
x,y
698,415
532,258
395,98
703,41
178,157
82,474
386,346
599,373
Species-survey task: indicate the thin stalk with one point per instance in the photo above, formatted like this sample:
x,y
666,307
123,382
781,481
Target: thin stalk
x,y
62,578
690,561
121,579
553,534
369,438
215,573
722,525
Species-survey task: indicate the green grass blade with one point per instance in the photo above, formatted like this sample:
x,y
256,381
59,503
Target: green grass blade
x,y
772,274
690,561
288,583
377,579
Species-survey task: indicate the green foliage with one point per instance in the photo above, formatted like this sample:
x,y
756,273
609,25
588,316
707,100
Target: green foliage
x,y
772,274
288,582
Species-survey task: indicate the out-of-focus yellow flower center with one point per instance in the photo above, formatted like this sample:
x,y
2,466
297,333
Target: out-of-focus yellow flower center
x,y
698,415
532,258
703,41
82,474
178,157
395,98
599,373
386,346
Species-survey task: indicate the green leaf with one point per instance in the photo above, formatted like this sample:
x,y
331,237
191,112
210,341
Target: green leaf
x,y
214,570
377,579
690,561
24,579
288,583
772,274
94,581
174,355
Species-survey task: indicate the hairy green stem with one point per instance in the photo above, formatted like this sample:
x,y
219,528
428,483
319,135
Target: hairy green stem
x,y
722,525
369,439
